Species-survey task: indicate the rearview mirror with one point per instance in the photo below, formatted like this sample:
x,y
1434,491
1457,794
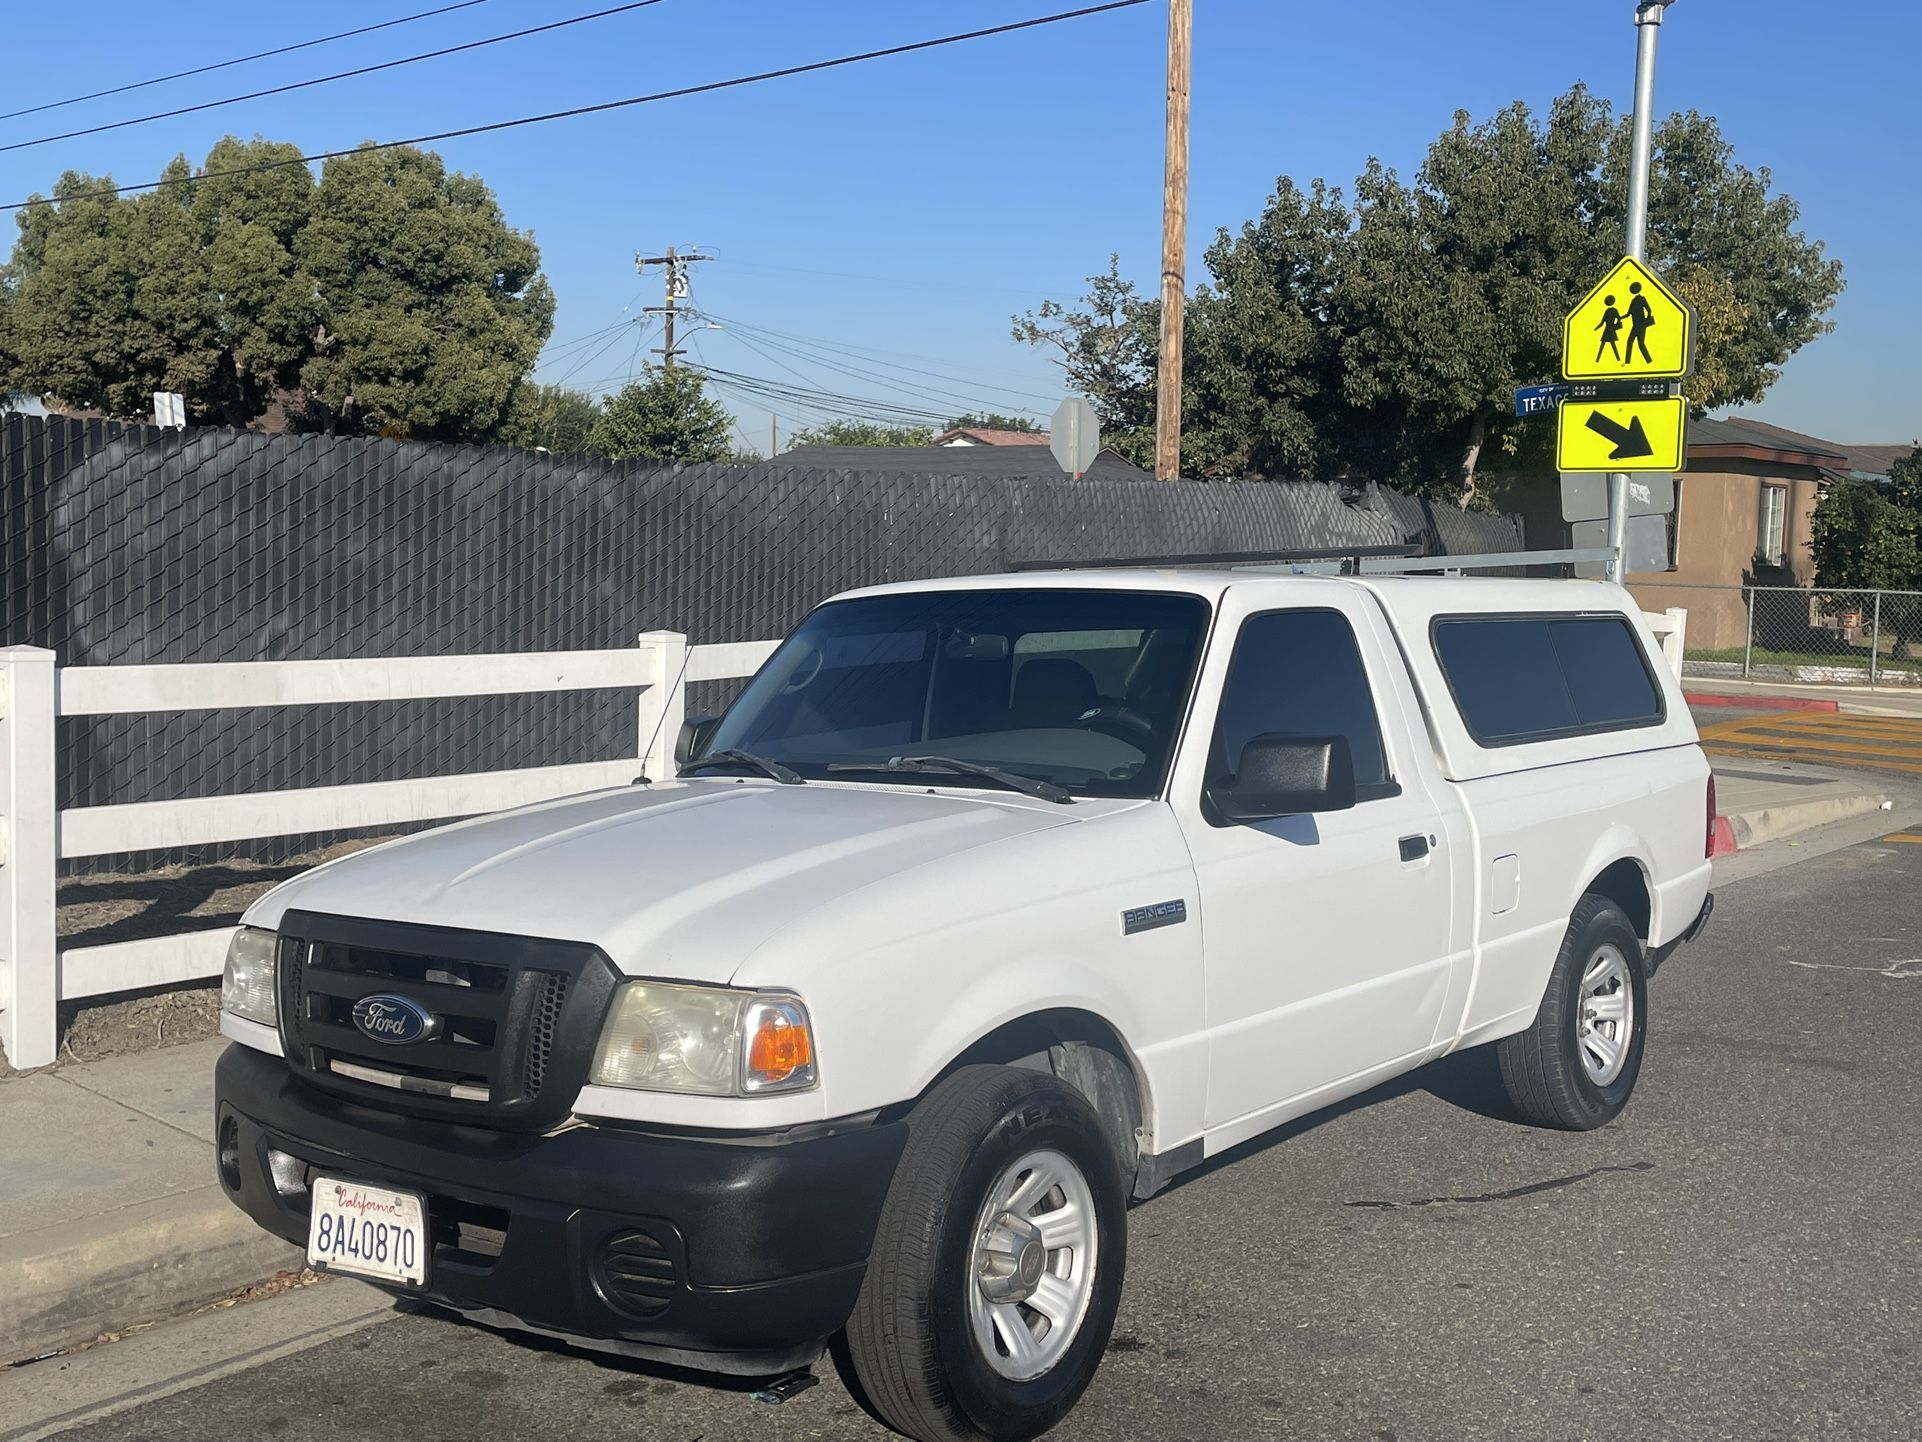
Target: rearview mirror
x,y
1280,775
692,739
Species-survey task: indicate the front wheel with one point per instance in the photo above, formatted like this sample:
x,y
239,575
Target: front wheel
x,y
997,1266
1576,1065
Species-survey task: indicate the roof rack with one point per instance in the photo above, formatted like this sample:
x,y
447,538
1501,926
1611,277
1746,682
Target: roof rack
x,y
1224,558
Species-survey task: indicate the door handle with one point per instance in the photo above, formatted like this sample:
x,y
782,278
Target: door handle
x,y
1414,848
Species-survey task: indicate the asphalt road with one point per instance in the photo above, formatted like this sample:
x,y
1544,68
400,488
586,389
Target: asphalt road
x,y
1739,1256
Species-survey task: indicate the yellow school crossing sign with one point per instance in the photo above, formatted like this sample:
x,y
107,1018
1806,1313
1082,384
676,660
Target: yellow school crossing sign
x,y
1630,327
1620,435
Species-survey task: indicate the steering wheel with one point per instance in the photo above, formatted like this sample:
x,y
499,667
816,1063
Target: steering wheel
x,y
1122,722
803,675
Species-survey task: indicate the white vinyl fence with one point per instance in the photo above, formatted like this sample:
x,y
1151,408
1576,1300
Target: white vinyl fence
x,y
35,835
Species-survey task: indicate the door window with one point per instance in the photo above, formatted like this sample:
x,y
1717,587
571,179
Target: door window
x,y
1300,673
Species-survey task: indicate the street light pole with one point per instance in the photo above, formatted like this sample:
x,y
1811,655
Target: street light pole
x,y
1648,24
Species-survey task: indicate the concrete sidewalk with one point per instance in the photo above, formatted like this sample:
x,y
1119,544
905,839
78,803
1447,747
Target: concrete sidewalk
x,y
110,1214
1758,801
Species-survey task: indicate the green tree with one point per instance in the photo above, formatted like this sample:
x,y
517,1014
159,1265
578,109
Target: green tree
x,y
432,308
391,295
1869,536
1385,337
555,418
1106,350
861,433
667,415
993,421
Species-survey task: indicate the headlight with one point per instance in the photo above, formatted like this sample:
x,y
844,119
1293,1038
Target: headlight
x,y
704,1039
247,985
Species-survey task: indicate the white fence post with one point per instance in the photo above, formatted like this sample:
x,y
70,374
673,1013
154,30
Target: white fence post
x,y
1672,643
29,843
664,703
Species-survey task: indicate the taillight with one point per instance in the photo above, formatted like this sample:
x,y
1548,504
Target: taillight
x,y
1708,845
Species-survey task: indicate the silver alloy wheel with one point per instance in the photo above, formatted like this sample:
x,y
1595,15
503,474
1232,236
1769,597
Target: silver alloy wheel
x,y
1606,1022
1031,1270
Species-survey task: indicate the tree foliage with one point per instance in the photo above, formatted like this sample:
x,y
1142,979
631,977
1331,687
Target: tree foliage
x,y
554,418
667,415
993,421
1869,536
391,295
861,433
1385,335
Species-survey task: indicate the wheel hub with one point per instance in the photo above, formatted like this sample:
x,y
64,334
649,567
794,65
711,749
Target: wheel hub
x,y
1605,1018
1011,1259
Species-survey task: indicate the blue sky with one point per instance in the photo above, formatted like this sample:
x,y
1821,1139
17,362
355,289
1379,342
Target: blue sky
x,y
902,211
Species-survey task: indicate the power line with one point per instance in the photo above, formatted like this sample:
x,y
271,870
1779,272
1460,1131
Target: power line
x,y
922,392
606,105
329,79
241,59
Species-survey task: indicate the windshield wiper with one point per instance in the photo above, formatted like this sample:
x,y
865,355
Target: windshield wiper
x,y
950,766
734,757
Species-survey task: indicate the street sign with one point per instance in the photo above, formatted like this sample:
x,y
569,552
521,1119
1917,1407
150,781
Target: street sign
x,y
1074,435
1620,435
1535,400
1585,496
1631,325
1644,544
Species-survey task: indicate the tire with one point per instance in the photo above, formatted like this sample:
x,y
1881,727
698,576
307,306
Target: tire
x,y
1552,1077
912,1341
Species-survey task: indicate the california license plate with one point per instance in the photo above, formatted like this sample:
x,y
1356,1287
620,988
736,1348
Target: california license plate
x,y
368,1231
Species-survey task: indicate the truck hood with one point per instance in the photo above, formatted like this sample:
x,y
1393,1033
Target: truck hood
x,y
677,880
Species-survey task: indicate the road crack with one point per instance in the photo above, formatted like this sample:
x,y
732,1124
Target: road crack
x,y
1552,1184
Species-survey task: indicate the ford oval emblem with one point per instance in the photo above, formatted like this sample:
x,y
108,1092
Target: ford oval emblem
x,y
394,1019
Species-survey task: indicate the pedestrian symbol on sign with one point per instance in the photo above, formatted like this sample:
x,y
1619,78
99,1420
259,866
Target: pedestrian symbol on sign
x,y
1629,327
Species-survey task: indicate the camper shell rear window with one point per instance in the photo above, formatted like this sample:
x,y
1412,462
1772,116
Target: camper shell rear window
x,y
1543,675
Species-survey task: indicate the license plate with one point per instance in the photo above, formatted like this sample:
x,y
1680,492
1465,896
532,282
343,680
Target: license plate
x,y
369,1231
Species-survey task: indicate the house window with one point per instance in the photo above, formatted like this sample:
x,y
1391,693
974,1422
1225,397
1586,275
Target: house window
x,y
1768,535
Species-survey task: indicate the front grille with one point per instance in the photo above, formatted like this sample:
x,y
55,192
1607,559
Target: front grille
x,y
515,1018
636,1273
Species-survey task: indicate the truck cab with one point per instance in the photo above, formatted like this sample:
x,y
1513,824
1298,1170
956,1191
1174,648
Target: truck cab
x,y
989,907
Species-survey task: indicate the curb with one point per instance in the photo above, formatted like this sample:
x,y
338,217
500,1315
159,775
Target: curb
x,y
1746,829
70,1282
1760,703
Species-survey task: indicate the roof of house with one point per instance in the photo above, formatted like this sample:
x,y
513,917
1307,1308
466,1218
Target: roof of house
x,y
997,460
1727,438
1876,460
983,436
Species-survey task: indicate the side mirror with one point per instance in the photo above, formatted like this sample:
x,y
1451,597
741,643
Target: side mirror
x,y
693,738
1286,776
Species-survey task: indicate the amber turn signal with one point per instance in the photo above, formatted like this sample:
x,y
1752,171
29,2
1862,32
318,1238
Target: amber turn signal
x,y
780,1048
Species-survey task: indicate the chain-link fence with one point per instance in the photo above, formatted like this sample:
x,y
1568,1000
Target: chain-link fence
x,y
1792,633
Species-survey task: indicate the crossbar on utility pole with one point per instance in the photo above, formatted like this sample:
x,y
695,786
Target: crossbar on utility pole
x,y
1648,23
1174,243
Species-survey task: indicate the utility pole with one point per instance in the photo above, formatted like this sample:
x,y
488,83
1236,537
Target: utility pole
x,y
1174,243
773,435
676,292
1648,24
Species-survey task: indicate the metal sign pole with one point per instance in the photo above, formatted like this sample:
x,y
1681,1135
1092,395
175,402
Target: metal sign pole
x,y
1648,20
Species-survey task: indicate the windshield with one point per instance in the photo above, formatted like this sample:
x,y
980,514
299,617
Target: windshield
x,y
1084,689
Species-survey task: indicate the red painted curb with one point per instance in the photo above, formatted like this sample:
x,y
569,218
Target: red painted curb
x,y
1724,843
1760,703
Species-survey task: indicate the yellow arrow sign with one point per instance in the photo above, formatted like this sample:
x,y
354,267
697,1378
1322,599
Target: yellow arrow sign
x,y
1630,326
1621,435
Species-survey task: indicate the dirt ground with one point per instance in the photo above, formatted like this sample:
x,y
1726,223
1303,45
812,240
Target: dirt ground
x,y
95,910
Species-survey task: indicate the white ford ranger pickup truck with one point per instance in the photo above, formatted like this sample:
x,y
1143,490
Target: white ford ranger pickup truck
x,y
990,905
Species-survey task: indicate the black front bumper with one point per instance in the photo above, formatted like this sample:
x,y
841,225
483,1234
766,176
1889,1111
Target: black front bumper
x,y
753,1250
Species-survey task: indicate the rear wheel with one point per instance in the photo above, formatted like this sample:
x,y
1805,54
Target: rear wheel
x,y
997,1265
1576,1065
